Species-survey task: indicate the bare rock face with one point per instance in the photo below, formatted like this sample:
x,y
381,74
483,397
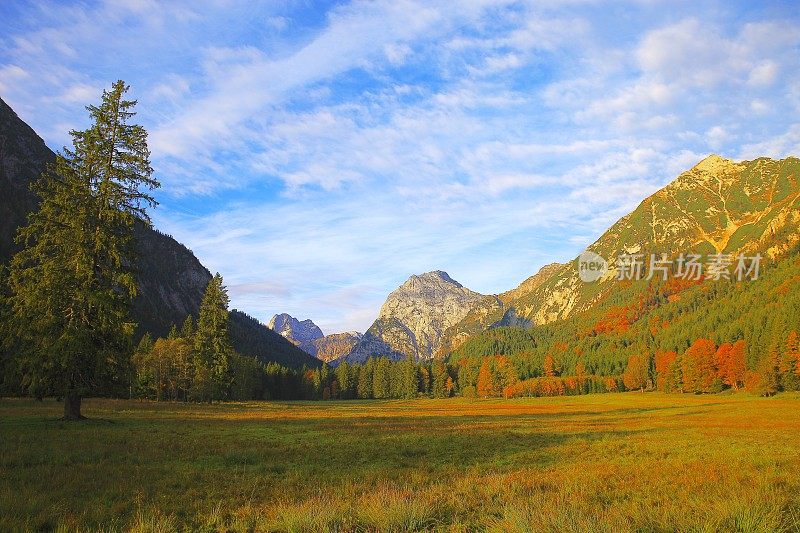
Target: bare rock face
x,y
335,346
414,317
308,337
300,333
718,206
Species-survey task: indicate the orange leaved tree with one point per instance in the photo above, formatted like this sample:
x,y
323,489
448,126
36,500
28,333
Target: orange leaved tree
x,y
731,364
550,367
700,366
485,381
666,380
636,373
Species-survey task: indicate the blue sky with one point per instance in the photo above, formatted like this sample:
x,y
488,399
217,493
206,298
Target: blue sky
x,y
317,154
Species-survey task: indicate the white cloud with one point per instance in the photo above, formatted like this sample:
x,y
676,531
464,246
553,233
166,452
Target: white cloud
x,y
763,74
397,53
241,88
277,22
172,88
717,137
317,168
760,107
79,93
782,145
689,52
498,63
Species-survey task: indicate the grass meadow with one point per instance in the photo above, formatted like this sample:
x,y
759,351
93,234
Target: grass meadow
x,y
646,462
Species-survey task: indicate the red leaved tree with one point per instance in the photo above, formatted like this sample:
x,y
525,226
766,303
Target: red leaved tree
x,y
734,365
665,369
636,373
485,381
700,366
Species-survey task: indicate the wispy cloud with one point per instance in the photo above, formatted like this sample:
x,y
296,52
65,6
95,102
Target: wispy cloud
x,y
318,158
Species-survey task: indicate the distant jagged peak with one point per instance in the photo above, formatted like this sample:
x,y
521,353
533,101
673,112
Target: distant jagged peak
x,y
295,330
432,277
335,345
414,316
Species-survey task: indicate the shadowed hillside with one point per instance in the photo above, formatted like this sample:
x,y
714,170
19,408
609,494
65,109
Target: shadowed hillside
x,y
171,280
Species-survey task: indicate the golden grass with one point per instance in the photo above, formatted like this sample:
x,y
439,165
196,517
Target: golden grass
x,y
647,462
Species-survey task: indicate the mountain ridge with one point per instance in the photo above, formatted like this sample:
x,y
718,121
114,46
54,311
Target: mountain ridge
x,y
170,278
718,205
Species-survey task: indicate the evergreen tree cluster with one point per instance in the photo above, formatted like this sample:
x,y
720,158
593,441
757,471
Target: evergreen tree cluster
x,y
641,326
197,363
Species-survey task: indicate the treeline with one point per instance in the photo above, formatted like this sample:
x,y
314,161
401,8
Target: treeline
x,y
703,368
707,368
645,325
170,369
199,364
381,378
164,369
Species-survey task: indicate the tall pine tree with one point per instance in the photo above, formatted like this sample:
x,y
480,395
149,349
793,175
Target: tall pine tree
x,y
440,376
72,283
212,348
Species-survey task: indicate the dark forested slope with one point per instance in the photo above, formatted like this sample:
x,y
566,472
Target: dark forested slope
x,y
171,279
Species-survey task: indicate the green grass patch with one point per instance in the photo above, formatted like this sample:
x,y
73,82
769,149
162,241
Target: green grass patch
x,y
602,462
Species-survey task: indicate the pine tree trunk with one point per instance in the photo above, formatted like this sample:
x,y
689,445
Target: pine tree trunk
x,y
72,407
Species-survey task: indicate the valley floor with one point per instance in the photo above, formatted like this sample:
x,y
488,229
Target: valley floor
x,y
600,462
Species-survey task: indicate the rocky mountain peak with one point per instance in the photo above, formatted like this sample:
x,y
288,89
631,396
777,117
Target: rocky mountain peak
x,y
717,206
421,291
713,163
297,331
433,277
713,171
335,346
414,316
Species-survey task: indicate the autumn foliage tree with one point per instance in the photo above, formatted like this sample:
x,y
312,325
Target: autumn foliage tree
x,y
580,376
449,385
731,363
667,371
550,366
485,381
164,370
699,366
636,373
